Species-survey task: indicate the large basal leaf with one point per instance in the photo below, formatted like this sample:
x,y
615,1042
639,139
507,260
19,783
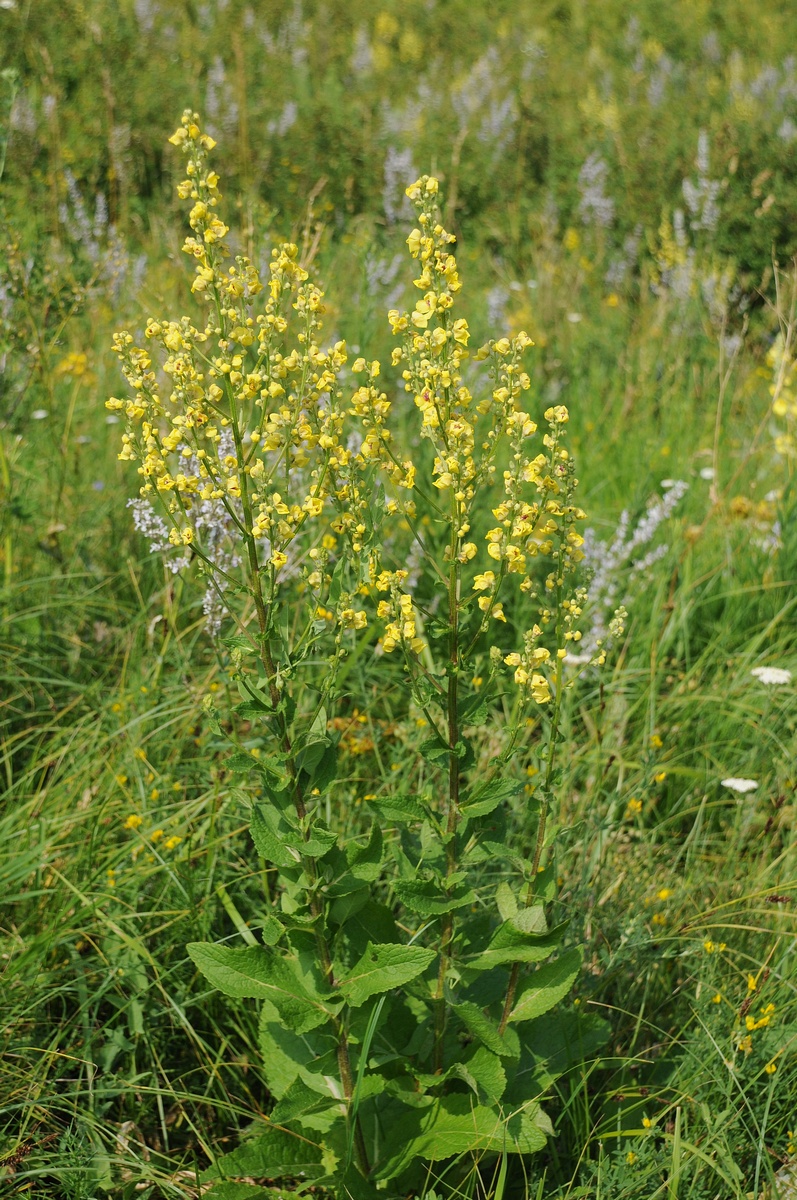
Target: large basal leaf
x,y
257,973
273,1153
455,1125
550,1047
546,987
382,968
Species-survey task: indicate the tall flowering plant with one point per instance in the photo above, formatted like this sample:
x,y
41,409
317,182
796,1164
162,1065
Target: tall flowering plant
x,y
406,976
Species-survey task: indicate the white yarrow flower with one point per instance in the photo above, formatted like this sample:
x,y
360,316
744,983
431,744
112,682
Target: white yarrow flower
x,y
771,676
740,785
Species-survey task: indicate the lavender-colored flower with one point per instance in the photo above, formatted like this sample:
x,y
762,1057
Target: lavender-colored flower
x,y
595,207
398,173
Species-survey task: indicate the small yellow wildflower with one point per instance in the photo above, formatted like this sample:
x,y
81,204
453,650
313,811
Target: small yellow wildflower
x,y
633,808
133,821
663,893
156,835
656,742
121,780
630,1158
752,983
716,998
172,842
647,1123
660,776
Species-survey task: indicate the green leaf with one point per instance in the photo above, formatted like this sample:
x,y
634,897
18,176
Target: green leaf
x,y
382,968
286,1055
506,901
258,973
242,1191
274,1153
241,762
400,809
252,710
434,750
488,796
480,1026
524,938
271,930
359,865
429,899
547,986
562,1041
274,836
484,1073
455,1125
299,1100
319,841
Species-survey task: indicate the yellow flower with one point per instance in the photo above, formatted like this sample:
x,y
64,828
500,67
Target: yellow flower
x,y
660,776
664,893
133,821
156,835
172,841
633,808
630,1158
647,1123
121,780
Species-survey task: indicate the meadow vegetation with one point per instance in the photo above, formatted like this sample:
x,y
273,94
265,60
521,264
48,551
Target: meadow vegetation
x,y
622,191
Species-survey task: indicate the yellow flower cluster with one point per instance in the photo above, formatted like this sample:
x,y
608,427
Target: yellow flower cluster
x,y
536,516
247,412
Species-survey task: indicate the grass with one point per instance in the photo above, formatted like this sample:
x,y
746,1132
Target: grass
x,y
123,1074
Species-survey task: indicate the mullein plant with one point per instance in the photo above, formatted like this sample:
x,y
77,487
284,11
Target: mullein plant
x,y
406,977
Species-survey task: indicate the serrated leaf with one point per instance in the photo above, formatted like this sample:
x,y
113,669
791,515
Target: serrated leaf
x,y
523,938
547,986
434,750
382,968
275,838
286,1055
487,796
240,762
271,930
299,1100
480,1026
242,1191
399,809
551,1047
319,840
484,1070
257,973
506,901
275,1152
455,1125
429,899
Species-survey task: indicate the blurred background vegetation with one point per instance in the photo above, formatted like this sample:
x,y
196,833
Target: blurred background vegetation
x,y
623,182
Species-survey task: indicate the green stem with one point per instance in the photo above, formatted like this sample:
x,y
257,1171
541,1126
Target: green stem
x,y
447,924
542,819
